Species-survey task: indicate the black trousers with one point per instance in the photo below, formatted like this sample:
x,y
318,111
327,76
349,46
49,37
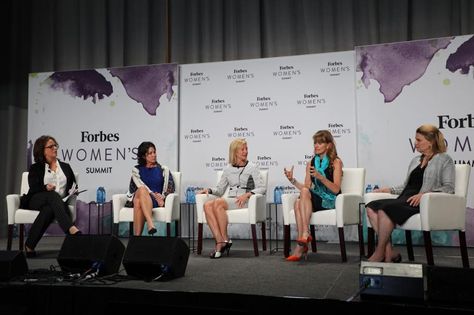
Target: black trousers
x,y
50,206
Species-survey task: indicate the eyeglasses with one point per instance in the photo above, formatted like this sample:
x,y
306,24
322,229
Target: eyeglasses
x,y
52,146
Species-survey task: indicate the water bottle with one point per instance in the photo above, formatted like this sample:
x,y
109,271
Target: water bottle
x,y
376,186
281,191
368,188
275,194
193,194
98,196
103,195
188,195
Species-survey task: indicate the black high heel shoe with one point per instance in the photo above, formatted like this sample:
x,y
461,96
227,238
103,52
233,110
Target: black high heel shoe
x,y
397,259
152,231
226,248
218,253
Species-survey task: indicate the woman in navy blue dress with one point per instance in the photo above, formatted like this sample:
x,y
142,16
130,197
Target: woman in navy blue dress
x,y
149,186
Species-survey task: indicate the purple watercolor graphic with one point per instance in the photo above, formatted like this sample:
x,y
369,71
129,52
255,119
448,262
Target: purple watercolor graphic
x,y
146,84
463,58
395,66
82,83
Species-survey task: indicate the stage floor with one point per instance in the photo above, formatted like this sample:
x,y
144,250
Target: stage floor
x,y
322,276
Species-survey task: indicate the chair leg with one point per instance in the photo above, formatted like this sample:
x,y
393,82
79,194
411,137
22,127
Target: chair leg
x,y
177,231
463,247
264,237
428,247
342,244
370,241
408,240
130,229
22,235
361,240
286,240
314,249
199,244
10,236
254,239
116,229
168,229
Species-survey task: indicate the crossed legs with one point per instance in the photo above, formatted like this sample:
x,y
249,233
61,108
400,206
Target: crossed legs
x,y
303,212
383,226
142,210
216,217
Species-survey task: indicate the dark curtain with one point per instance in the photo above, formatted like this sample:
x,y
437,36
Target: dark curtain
x,y
53,35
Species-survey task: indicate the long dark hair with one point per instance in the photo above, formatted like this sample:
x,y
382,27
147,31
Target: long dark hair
x,y
38,148
143,150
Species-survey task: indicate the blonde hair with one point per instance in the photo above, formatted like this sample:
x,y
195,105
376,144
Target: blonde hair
x,y
234,146
434,136
324,136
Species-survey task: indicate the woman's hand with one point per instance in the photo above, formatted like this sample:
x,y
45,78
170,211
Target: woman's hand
x,y
415,200
50,187
289,173
242,199
159,198
315,173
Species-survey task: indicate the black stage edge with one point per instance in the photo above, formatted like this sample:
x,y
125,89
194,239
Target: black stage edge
x,y
81,299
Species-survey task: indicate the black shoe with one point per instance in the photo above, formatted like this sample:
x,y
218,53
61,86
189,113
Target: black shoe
x,y
397,259
218,253
152,231
30,253
227,247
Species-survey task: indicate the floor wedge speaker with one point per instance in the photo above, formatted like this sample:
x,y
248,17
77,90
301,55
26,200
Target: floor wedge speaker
x,y
391,281
12,264
156,258
80,253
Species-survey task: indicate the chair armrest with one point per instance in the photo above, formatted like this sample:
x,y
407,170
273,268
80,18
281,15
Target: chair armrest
x,y
172,207
257,208
201,199
118,202
347,209
288,203
13,203
442,211
368,197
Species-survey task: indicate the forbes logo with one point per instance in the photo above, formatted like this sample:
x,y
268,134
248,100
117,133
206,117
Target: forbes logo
x,y
263,103
217,163
197,135
337,130
307,159
335,68
265,162
218,106
196,78
286,72
445,121
240,132
311,100
99,137
287,132
240,75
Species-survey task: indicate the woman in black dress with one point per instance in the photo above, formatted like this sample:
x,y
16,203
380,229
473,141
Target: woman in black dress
x,y
432,171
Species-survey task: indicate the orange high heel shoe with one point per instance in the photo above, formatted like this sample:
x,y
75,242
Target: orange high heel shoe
x,y
304,254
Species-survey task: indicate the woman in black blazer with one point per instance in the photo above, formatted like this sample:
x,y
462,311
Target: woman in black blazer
x,y
50,180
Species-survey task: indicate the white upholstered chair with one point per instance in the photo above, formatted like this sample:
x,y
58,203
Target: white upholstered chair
x,y
346,211
26,216
438,212
169,213
255,213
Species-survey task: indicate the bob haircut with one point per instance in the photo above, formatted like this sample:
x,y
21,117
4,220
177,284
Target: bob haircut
x,y
39,146
234,146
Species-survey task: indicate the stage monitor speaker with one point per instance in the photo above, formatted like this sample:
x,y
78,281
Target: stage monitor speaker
x,y
450,284
391,281
80,253
12,264
156,258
